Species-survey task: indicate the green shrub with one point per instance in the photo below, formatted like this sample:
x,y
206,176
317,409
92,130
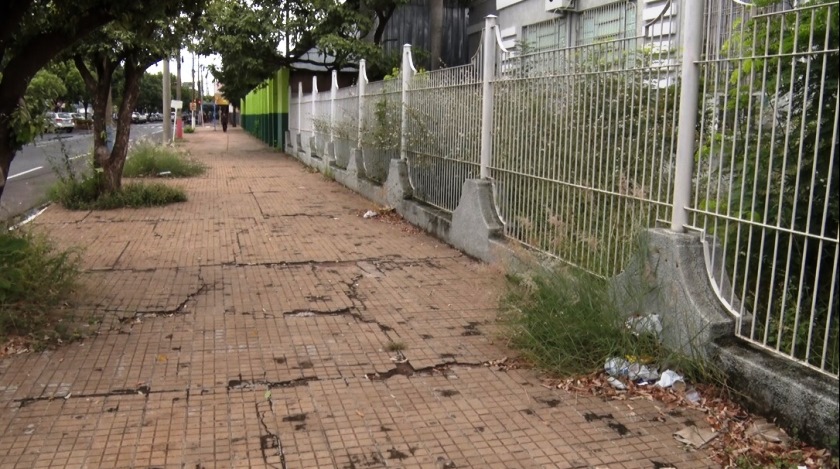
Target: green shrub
x,y
189,130
565,322
81,194
148,160
35,278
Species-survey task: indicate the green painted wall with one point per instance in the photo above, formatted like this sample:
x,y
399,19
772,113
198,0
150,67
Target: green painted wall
x,y
265,110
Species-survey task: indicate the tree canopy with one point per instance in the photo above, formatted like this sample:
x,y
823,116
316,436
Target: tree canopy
x,y
130,45
257,37
33,33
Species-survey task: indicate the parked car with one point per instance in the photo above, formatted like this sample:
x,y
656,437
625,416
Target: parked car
x,y
59,122
138,118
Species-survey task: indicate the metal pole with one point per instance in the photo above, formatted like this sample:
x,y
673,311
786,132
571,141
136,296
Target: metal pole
x,y
362,83
167,102
692,47
488,72
405,74
192,113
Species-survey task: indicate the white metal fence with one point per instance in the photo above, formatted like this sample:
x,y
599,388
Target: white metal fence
x,y
732,133
601,167
345,126
766,178
444,132
321,118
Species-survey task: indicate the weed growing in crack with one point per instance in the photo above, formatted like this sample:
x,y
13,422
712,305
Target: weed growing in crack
x,y
395,346
36,279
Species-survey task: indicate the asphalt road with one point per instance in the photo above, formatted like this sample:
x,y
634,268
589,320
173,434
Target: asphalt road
x,y
32,171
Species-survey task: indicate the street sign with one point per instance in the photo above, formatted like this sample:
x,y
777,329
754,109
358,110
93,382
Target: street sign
x,y
177,104
192,106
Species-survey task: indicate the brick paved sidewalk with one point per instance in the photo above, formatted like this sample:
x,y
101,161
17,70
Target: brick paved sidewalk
x,y
250,327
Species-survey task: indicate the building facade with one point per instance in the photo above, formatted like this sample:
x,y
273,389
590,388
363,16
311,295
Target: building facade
x,y
537,25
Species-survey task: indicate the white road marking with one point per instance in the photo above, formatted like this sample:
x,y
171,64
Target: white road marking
x,y
25,172
29,219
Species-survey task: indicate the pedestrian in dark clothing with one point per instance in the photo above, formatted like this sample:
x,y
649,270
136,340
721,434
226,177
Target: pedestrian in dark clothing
x,y
224,121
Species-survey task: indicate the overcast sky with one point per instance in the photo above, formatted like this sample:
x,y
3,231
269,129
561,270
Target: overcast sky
x,y
187,66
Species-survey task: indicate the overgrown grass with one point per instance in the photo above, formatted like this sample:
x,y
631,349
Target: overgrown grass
x,y
565,322
81,194
36,278
149,160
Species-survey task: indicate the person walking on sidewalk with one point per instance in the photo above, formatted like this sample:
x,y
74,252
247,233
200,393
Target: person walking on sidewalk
x,y
224,121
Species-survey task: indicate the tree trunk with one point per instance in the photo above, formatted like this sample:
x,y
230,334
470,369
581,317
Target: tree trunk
x,y
7,152
112,167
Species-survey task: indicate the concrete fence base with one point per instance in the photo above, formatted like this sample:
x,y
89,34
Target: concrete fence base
x,y
667,276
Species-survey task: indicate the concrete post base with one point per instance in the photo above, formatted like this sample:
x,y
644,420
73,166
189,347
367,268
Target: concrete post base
x,y
397,186
668,277
290,146
313,149
329,153
475,221
298,145
356,165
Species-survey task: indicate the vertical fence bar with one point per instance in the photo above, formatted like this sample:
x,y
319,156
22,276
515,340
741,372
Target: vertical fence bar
x,y
313,114
488,72
300,105
333,90
692,45
362,82
405,75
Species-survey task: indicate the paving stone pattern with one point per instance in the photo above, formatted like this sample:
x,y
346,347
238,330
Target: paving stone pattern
x,y
249,327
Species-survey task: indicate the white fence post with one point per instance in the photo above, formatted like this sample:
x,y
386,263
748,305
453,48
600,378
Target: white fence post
x,y
314,94
406,71
333,90
361,84
488,72
692,46
300,108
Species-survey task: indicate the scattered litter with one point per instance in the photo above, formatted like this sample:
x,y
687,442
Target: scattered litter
x,y
67,396
614,382
731,422
302,314
693,397
671,379
370,214
694,436
647,324
165,173
765,431
620,367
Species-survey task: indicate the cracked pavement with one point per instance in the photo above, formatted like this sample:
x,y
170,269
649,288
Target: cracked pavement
x,y
251,327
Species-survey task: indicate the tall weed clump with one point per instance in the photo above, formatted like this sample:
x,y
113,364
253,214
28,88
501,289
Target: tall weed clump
x,y
35,278
149,160
565,322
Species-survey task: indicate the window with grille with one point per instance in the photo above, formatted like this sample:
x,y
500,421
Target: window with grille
x,y
609,22
546,35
